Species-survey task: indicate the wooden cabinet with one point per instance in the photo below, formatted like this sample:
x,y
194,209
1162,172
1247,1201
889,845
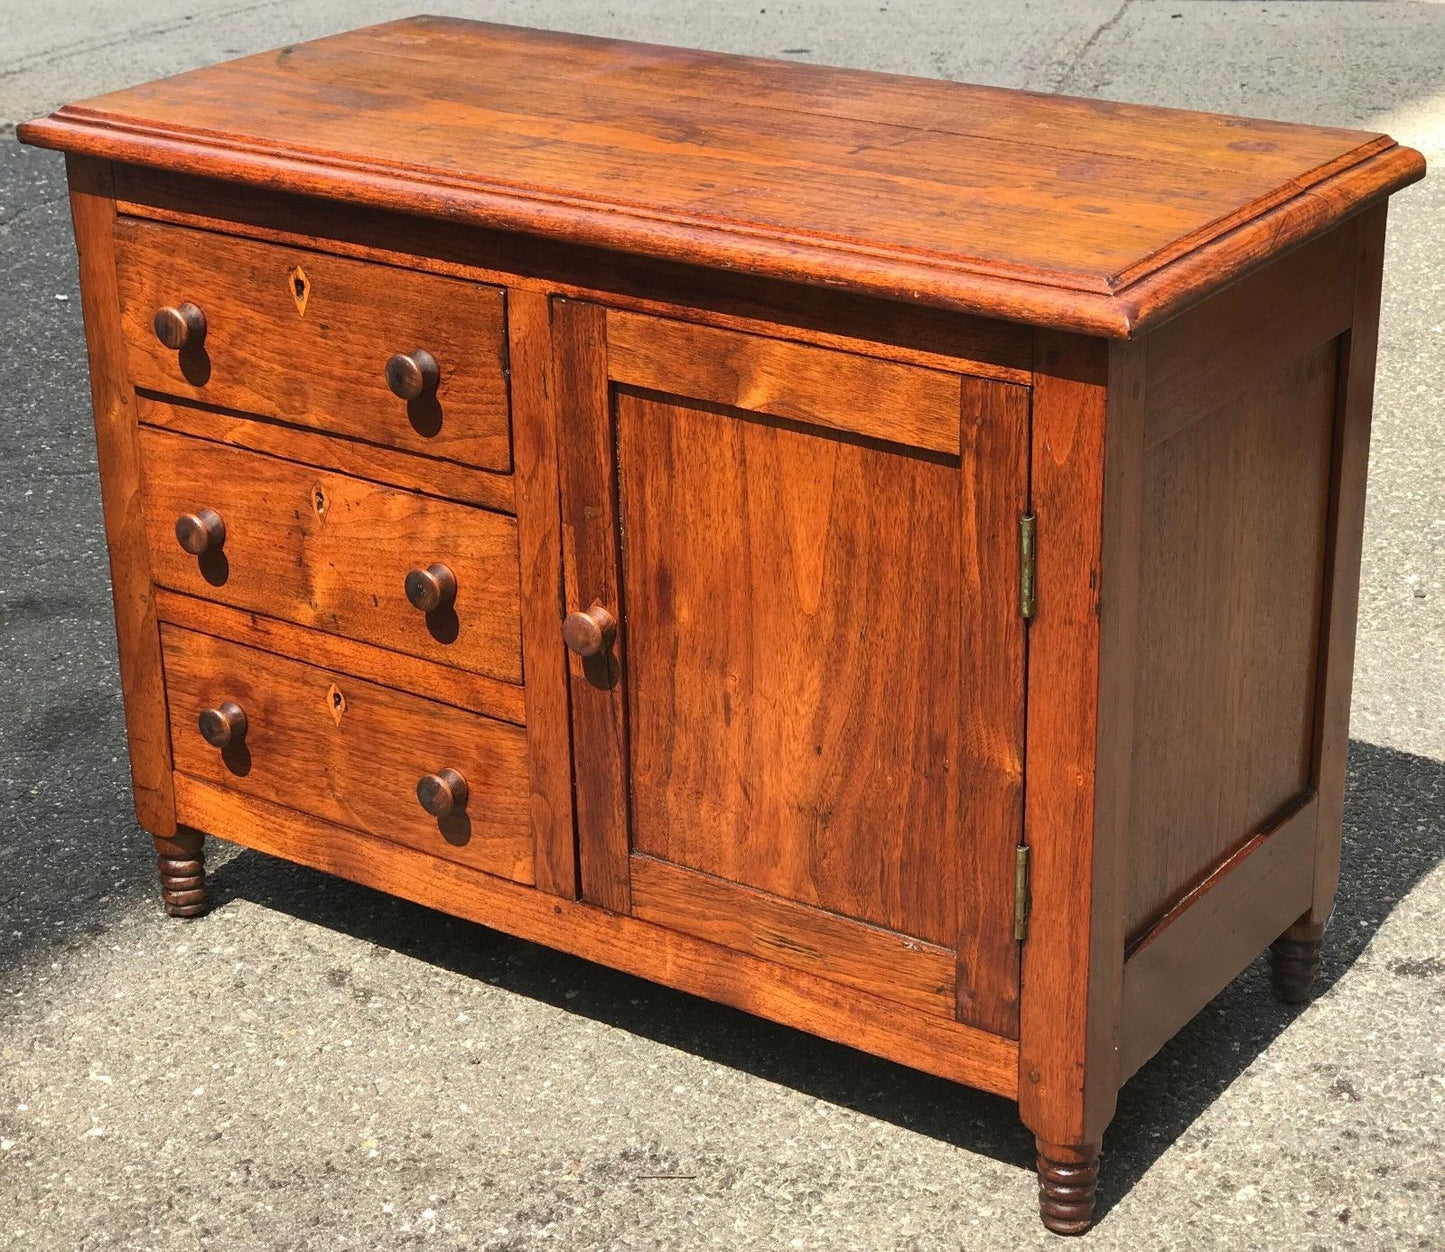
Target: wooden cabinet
x,y
877,553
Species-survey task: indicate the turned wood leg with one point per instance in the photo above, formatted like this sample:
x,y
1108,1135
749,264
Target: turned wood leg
x,y
1294,960
182,865
1067,1178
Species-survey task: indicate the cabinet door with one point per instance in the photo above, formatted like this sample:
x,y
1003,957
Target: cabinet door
x,y
798,733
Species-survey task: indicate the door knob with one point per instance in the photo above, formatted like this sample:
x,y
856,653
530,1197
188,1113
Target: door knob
x,y
224,725
180,326
432,588
443,793
589,633
411,375
200,532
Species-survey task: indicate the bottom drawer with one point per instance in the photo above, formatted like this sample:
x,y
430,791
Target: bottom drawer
x,y
350,752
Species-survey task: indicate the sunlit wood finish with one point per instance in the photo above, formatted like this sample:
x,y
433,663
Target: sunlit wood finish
x,y
579,486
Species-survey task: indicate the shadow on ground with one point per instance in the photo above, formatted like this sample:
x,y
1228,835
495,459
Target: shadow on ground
x,y
1394,835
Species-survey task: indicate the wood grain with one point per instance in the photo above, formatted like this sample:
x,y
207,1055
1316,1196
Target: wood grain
x,y
457,687
1234,343
878,961
1229,607
993,480
339,567
883,1027
354,457
589,545
539,539
356,762
1206,944
1089,216
1086,484
777,583
885,328
1345,528
324,366
92,211
898,403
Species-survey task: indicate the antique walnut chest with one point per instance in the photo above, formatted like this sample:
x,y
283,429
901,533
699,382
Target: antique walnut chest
x,y
879,553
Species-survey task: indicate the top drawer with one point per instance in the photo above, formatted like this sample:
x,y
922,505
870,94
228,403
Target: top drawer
x,y
306,338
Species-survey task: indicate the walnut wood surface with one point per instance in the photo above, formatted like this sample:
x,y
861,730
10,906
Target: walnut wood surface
x,y
748,302
460,688
181,864
1086,473
1213,934
333,552
351,752
1091,215
878,961
1294,964
324,367
775,582
1229,609
805,1001
118,452
899,403
461,483
1349,463
1068,1180
539,540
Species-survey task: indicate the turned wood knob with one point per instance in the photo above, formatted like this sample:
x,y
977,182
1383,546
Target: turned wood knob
x,y
442,793
412,375
180,326
223,726
201,531
432,588
589,633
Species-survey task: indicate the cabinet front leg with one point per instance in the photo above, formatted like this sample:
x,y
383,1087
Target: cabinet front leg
x,y
181,860
1294,960
1067,1179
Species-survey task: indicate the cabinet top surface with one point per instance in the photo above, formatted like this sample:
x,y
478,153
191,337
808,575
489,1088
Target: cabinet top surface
x,y
1096,216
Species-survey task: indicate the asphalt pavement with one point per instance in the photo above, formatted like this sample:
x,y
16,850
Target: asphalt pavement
x,y
314,1065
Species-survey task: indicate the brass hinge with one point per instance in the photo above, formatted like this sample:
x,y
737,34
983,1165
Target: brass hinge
x,y
1021,892
1027,564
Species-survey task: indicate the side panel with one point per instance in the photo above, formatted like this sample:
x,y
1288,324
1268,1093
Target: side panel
x,y
117,448
1232,554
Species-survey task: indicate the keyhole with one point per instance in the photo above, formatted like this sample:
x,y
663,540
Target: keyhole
x,y
319,503
300,289
335,703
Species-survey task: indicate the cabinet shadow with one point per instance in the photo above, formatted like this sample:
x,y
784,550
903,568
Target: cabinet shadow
x,y
1394,835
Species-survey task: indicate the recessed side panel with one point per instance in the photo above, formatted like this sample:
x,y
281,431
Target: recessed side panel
x,y
1231,567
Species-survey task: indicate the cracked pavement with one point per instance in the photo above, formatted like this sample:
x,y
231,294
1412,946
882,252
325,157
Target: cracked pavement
x,y
314,1065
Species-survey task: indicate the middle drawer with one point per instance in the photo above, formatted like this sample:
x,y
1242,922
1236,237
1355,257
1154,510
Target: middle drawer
x,y
333,552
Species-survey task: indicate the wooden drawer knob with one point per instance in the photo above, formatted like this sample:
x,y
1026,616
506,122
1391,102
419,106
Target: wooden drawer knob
x,y
589,633
443,793
412,375
223,726
200,532
432,588
180,326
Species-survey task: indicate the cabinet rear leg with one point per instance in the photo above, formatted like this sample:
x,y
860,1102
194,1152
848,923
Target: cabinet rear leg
x,y
1067,1178
1294,960
181,860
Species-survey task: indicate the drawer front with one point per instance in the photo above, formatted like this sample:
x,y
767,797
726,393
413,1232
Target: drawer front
x,y
305,338
349,751
333,552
